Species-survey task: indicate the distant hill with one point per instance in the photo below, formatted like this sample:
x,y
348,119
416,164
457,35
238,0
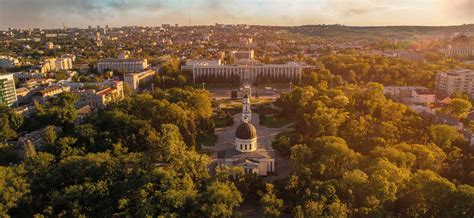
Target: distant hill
x,y
361,32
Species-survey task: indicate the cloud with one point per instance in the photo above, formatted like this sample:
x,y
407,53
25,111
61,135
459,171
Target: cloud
x,y
47,13
461,9
52,13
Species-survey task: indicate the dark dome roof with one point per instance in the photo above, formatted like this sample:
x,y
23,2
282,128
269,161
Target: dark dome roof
x,y
246,131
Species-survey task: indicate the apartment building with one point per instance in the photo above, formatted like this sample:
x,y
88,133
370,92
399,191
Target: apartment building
x,y
54,64
63,63
7,90
461,80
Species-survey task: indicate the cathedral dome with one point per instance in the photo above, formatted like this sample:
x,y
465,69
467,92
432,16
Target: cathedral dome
x,y
246,131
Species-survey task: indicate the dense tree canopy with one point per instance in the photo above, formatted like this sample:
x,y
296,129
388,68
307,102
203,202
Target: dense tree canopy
x,y
137,159
356,153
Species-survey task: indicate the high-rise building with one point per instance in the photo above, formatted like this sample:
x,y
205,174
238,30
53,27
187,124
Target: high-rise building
x,y
7,90
455,81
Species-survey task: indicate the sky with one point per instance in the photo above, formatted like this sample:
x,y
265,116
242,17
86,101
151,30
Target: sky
x,y
81,13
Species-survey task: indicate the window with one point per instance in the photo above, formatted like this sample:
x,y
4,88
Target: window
x,y
250,147
240,146
245,146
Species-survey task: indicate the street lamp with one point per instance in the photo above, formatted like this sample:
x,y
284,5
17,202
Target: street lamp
x,y
203,85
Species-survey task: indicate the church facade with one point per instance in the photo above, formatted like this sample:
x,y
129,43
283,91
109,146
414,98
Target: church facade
x,y
246,152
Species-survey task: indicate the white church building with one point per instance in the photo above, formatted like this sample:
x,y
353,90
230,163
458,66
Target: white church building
x,y
246,151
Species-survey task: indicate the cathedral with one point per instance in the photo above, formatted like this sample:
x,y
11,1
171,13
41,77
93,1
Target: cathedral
x,y
246,151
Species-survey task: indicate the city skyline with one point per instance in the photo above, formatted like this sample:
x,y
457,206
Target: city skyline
x,y
56,13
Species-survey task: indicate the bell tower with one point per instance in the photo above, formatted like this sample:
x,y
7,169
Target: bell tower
x,y
246,112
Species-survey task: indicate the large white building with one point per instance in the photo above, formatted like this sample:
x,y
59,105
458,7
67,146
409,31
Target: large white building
x,y
460,46
134,79
129,65
455,81
209,71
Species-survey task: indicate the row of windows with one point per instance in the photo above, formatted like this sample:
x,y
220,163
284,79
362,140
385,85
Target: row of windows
x,y
251,70
242,146
229,74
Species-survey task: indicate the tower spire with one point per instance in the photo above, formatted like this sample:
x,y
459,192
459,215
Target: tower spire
x,y
189,18
246,112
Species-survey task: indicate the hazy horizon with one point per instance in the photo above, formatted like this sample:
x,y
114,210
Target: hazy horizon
x,y
82,13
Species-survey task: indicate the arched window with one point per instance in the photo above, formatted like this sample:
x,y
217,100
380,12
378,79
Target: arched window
x,y
240,146
250,147
245,146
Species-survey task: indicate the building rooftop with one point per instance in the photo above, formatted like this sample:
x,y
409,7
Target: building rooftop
x,y
246,131
104,91
119,60
424,92
84,110
460,72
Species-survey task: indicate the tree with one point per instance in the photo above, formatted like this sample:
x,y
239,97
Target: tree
x,y
48,140
462,203
332,157
426,194
300,158
10,122
8,154
323,121
60,111
283,142
219,199
29,150
13,188
459,107
270,203
413,156
444,135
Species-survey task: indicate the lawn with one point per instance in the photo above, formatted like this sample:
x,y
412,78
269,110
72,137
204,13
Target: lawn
x,y
216,86
275,121
223,121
